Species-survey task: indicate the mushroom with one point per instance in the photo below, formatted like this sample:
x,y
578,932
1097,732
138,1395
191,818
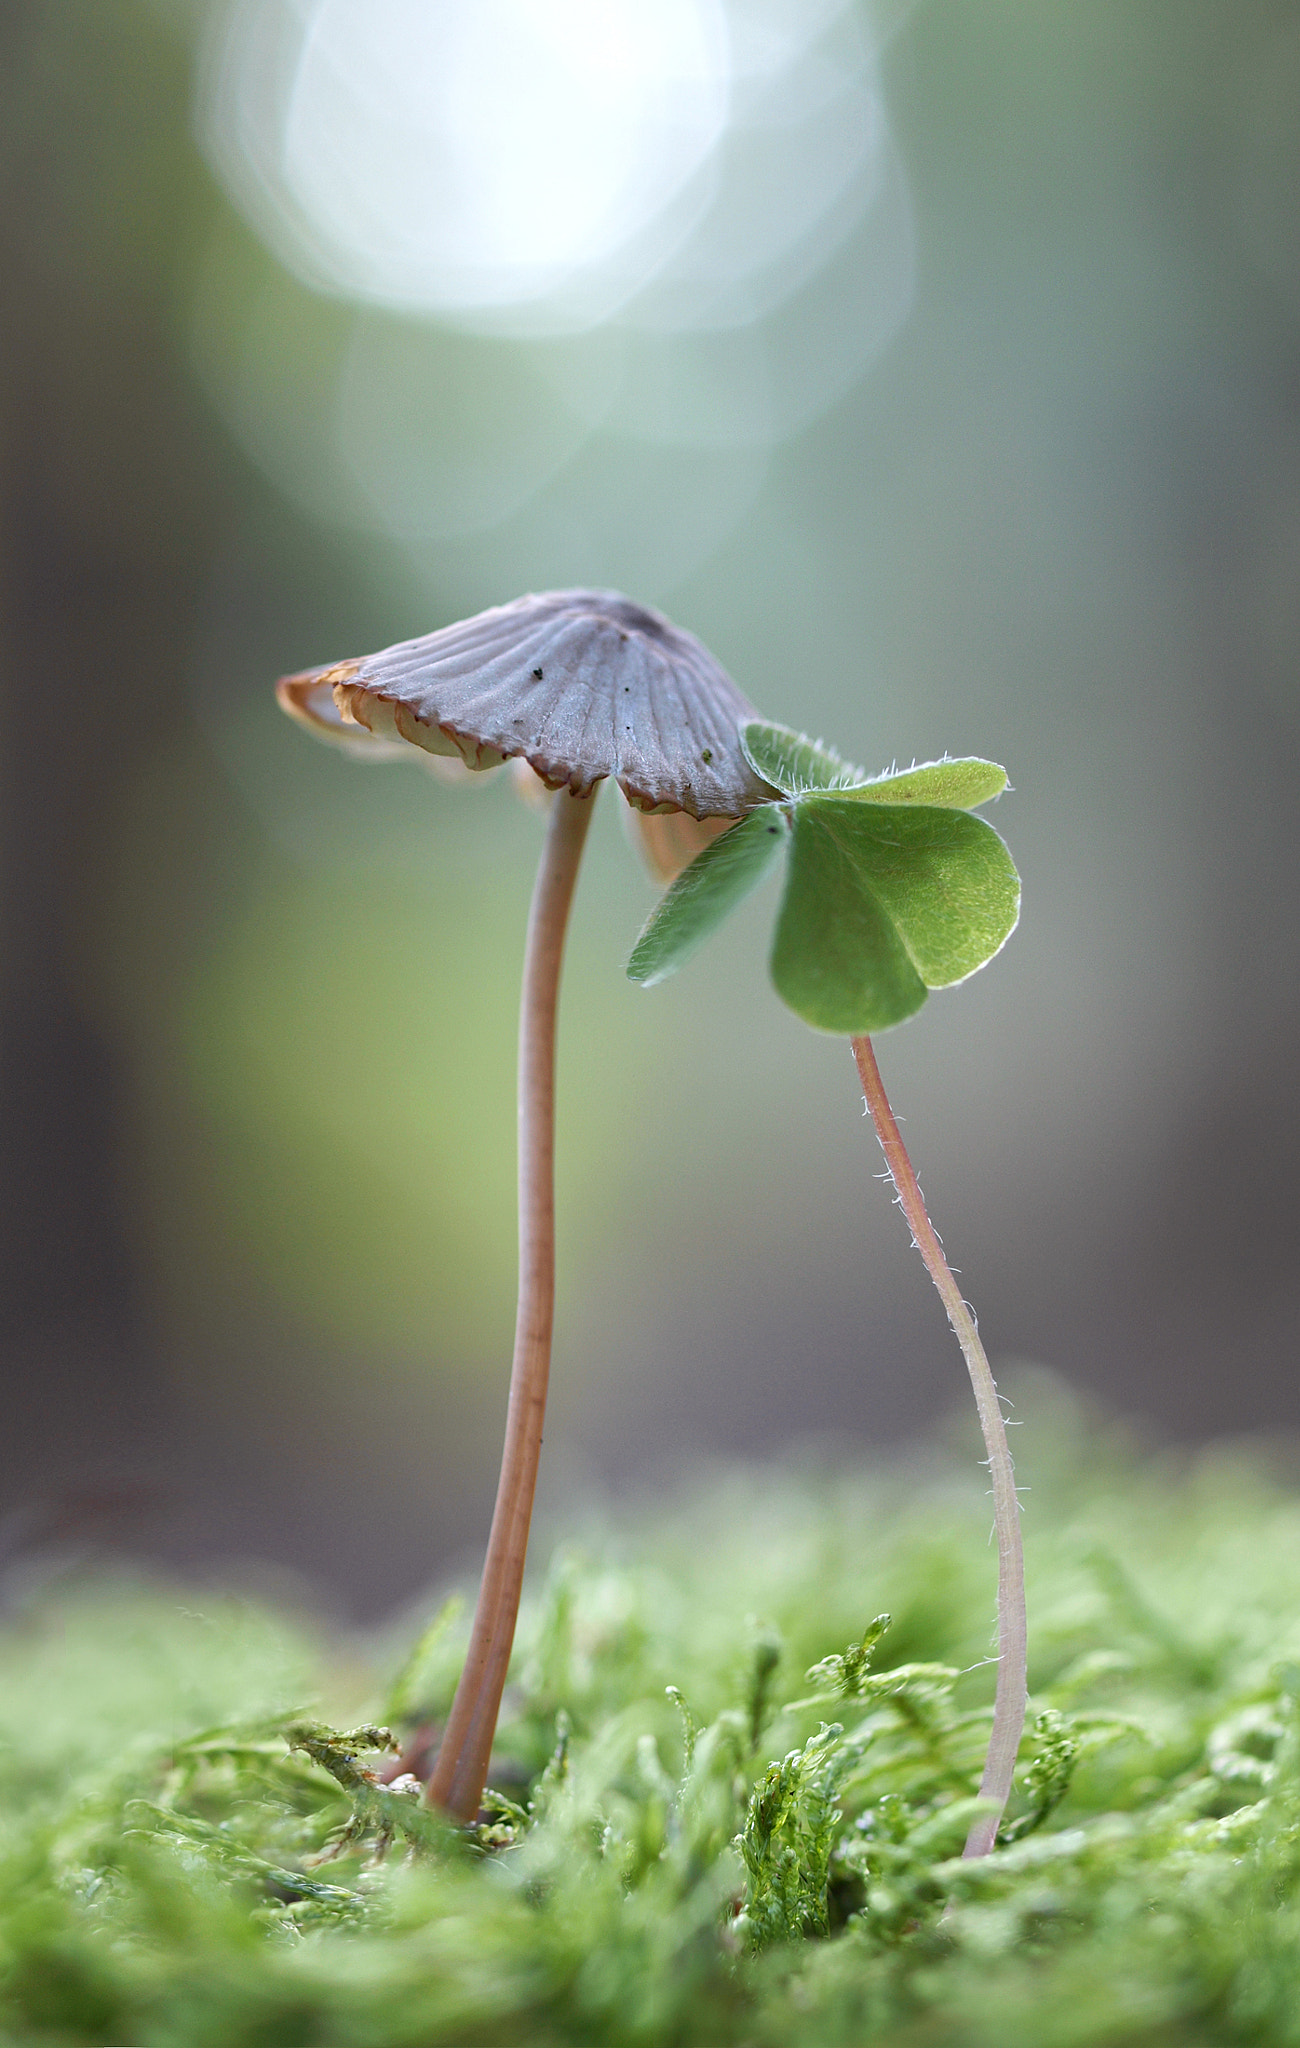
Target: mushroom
x,y
581,685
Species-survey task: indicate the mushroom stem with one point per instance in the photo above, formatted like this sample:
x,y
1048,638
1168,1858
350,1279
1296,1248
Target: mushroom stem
x,y
461,1770
1009,1704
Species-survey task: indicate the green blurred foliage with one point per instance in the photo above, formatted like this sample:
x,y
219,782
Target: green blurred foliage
x,y
352,1039
706,1827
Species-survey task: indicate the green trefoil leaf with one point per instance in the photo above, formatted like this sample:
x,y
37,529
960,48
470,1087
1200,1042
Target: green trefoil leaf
x,y
892,887
706,892
883,902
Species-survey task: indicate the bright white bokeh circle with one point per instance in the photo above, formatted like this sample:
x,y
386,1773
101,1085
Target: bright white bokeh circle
x,y
443,154
575,266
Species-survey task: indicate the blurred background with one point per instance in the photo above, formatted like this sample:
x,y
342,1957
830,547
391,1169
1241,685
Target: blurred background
x,y
940,367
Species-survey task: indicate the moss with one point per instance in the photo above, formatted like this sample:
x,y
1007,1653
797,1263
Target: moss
x,y
708,1828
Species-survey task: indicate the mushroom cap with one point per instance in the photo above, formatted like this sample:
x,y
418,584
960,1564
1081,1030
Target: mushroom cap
x,y
581,684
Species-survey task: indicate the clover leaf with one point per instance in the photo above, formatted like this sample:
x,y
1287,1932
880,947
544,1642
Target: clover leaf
x,y
792,762
892,888
707,891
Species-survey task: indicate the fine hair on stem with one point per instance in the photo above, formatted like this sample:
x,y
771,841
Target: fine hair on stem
x,y
1010,1698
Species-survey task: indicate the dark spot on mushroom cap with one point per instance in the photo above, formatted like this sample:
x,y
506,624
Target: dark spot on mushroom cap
x,y
537,672
707,754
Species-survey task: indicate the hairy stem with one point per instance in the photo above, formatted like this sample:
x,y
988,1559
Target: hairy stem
x,y
461,1770
1009,1705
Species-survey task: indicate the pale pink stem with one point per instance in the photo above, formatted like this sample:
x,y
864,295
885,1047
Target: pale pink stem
x,y
461,1770
1009,1703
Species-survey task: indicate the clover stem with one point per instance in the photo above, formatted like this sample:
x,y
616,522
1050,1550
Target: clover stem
x,y
1009,1704
461,1770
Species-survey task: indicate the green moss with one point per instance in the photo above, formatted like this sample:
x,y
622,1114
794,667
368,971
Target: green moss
x,y
708,1828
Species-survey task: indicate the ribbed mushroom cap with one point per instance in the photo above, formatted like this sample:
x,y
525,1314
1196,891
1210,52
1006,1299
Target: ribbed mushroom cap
x,y
581,684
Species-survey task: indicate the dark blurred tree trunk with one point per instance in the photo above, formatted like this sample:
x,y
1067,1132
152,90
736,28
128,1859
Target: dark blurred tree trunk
x,y
110,494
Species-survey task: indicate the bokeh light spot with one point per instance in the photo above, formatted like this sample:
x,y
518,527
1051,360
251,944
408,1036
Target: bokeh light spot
x,y
465,155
